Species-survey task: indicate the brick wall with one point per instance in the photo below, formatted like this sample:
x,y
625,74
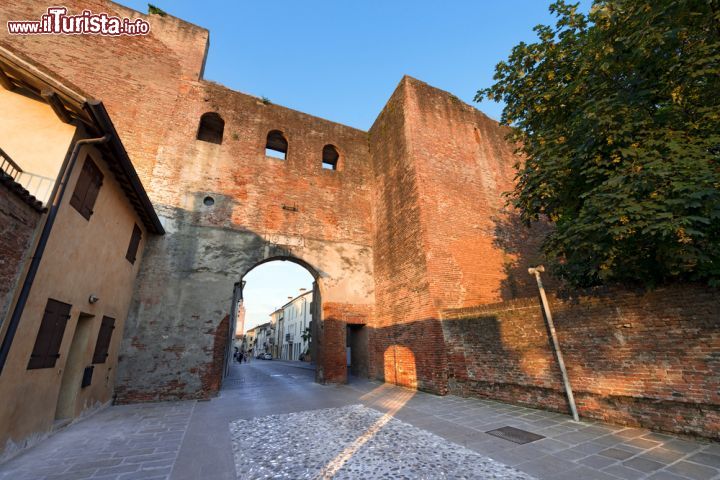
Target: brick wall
x,y
443,235
644,359
332,339
18,221
405,314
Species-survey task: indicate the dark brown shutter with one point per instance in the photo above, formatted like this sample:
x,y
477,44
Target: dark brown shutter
x,y
49,338
103,341
81,187
134,244
87,188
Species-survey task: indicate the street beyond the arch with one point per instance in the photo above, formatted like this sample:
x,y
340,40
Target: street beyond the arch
x,y
272,421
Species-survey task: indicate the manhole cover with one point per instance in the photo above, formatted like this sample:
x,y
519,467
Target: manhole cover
x,y
515,435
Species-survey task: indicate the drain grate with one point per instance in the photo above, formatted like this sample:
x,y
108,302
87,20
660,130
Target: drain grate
x,y
515,435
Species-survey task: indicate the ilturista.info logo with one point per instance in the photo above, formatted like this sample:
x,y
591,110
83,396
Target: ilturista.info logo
x,y
56,21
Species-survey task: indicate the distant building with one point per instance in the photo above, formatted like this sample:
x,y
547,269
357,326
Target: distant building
x,y
276,320
249,341
263,338
296,318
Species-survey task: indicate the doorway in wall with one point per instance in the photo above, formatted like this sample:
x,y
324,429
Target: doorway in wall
x,y
74,368
357,350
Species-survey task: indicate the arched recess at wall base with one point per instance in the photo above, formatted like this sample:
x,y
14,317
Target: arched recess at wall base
x,y
399,366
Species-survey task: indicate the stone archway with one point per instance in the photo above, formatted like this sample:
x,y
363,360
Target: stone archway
x,y
179,326
316,304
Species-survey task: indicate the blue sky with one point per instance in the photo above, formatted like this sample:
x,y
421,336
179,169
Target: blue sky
x,y
268,288
341,60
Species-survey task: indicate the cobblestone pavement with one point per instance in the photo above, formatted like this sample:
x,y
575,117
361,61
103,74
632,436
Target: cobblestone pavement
x,y
353,442
192,440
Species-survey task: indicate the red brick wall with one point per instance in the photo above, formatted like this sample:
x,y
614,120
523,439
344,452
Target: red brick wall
x,y
475,250
443,236
405,314
645,359
18,222
331,362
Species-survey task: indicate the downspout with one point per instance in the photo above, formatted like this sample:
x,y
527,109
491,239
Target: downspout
x,y
40,249
556,344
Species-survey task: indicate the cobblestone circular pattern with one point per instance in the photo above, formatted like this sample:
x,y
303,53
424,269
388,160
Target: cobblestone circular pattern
x,y
361,443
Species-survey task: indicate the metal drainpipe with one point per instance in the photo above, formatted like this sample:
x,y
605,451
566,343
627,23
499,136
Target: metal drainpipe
x,y
551,326
40,249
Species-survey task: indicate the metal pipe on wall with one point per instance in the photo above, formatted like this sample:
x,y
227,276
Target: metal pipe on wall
x,y
556,344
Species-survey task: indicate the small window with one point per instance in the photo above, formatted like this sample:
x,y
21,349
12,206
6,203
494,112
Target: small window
x,y
134,244
86,189
87,376
102,346
47,343
330,157
277,145
211,128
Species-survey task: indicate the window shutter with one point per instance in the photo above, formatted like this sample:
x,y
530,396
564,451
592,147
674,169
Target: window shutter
x,y
103,341
87,188
81,187
131,254
95,183
49,338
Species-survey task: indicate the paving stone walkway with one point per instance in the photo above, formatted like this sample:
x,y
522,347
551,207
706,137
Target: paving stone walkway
x,y
124,442
195,440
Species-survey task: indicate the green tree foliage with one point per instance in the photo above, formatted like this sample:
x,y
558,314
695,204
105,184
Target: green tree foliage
x,y
617,114
153,10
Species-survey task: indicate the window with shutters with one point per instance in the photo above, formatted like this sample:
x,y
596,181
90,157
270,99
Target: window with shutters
x,y
103,341
47,344
134,244
87,188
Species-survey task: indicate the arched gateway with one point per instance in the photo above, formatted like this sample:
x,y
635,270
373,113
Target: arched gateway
x,y
334,352
397,223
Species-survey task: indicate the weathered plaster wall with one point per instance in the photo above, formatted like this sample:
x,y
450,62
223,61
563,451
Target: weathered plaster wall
x,y
81,258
